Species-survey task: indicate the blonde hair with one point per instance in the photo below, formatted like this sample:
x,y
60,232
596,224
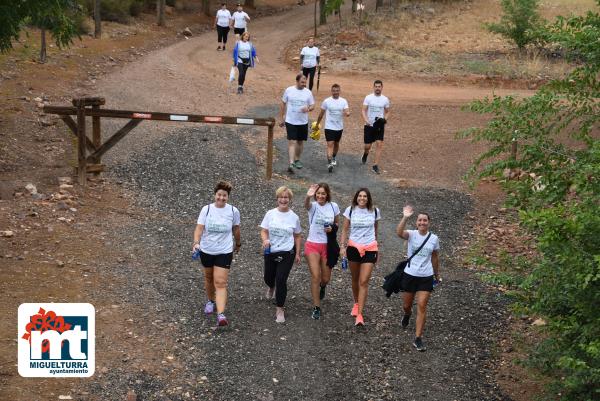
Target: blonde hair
x,y
283,189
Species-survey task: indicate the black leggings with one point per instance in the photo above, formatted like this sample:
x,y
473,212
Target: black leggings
x,y
222,32
277,269
242,68
310,74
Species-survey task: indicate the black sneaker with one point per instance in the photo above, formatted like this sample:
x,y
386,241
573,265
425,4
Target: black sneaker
x,y
376,169
240,90
322,292
405,320
418,343
330,167
291,168
316,313
364,158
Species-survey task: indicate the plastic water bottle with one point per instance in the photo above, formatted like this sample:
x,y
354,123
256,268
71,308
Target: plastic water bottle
x,y
344,263
267,250
435,283
196,254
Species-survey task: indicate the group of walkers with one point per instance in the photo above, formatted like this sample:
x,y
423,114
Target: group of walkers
x,y
218,226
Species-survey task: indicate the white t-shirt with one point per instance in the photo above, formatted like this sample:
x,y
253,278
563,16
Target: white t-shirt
x,y
334,112
317,217
362,224
310,56
376,106
223,18
239,19
420,264
295,99
244,50
218,222
281,227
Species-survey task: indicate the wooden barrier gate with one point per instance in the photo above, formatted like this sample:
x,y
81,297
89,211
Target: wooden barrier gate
x,y
90,107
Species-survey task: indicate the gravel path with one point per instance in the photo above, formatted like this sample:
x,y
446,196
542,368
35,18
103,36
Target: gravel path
x,y
256,359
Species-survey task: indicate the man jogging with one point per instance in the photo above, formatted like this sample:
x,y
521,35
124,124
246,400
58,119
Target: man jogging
x,y
296,102
310,59
239,20
334,108
375,112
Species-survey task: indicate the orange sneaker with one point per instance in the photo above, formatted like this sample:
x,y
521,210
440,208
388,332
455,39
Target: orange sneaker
x,y
354,310
359,321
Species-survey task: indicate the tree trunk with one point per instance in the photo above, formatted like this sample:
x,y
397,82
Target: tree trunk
x,y
160,12
249,3
206,7
354,6
315,35
43,47
322,15
378,4
97,20
339,13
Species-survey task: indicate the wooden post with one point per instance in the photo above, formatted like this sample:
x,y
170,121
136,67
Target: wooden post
x,y
513,149
270,152
81,139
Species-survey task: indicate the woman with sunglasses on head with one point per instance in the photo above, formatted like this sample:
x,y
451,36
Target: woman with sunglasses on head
x,y
360,229
323,220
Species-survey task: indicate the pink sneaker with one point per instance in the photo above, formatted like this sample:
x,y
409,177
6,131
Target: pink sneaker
x,y
354,310
359,321
209,308
222,320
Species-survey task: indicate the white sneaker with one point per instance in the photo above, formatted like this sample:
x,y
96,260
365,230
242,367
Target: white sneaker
x,y
279,315
334,162
270,294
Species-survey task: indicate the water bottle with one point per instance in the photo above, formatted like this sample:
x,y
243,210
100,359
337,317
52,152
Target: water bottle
x,y
344,263
435,283
267,250
196,254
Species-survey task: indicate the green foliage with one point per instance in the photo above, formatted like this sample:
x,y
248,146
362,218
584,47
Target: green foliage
x,y
558,196
520,22
332,6
57,16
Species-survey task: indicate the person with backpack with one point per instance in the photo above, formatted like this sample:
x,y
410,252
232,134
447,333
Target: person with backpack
x,y
421,271
322,219
244,57
360,230
218,224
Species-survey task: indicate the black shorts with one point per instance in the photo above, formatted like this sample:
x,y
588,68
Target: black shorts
x,y
333,135
296,132
239,31
414,284
354,256
373,134
221,260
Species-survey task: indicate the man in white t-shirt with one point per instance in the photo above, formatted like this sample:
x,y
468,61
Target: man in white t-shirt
x,y
239,20
334,108
222,22
296,103
375,112
310,58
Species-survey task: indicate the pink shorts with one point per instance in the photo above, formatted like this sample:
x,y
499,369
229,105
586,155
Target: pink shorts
x,y
313,247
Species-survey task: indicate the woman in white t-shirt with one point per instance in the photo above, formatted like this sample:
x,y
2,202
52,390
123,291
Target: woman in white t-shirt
x,y
323,221
281,240
360,228
420,273
222,23
213,237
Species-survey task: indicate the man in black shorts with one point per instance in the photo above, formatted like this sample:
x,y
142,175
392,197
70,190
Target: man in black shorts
x,y
375,112
334,108
296,103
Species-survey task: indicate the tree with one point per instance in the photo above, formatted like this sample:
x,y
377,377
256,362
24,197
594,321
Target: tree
x,y
322,12
160,12
55,16
97,20
519,23
206,7
249,3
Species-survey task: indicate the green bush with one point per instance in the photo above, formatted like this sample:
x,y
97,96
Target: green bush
x,y
520,23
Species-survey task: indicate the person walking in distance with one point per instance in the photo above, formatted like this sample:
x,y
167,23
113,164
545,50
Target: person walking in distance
x,y
244,56
334,108
296,103
222,22
421,271
281,241
310,58
322,219
375,112
213,238
360,229
239,20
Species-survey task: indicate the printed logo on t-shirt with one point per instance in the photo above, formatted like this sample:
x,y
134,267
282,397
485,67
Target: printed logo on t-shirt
x,y
278,232
362,221
216,226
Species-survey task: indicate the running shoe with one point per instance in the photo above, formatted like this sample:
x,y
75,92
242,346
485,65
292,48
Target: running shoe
x,y
219,48
240,90
222,320
364,158
209,308
376,169
418,343
270,293
334,162
316,313
291,168
405,320
354,310
279,315
359,321
322,292
298,164
330,167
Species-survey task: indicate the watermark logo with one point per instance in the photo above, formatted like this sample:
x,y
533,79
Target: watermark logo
x,y
56,340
